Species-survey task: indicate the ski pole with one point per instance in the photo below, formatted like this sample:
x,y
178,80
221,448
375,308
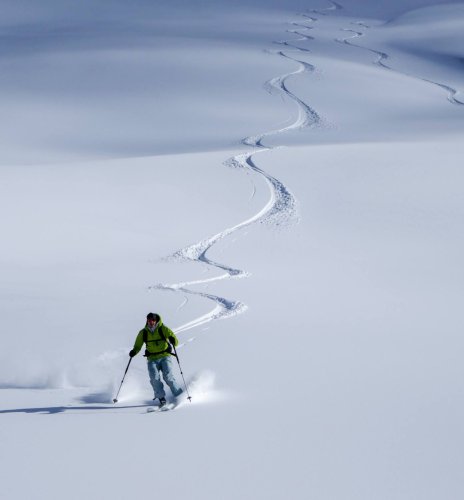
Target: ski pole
x,y
178,362
115,400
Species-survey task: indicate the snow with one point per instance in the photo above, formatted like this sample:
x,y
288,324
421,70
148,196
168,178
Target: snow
x,y
282,182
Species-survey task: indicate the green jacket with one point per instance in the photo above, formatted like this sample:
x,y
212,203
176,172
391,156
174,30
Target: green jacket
x,y
157,341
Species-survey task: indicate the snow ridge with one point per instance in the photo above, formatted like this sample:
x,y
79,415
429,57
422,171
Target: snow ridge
x,y
281,207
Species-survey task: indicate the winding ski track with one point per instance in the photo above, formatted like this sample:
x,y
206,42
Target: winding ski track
x,y
280,209
382,58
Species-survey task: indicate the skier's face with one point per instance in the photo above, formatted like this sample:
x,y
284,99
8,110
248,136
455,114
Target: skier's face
x,y
151,323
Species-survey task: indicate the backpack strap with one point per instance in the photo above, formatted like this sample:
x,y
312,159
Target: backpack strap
x,y
160,328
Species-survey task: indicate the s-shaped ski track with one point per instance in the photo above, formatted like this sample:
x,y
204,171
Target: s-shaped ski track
x,y
280,209
382,57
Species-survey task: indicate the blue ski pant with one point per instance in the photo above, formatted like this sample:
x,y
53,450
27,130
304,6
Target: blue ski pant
x,y
162,366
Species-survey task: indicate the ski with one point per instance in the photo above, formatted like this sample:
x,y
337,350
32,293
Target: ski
x,y
166,407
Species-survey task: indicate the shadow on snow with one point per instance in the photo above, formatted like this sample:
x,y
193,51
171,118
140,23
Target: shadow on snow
x,y
51,410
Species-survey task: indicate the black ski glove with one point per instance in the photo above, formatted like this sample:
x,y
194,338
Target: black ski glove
x,y
132,353
172,340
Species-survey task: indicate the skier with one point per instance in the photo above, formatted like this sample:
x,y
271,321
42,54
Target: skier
x,y
158,339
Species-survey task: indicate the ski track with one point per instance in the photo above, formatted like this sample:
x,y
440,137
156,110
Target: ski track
x,y
382,57
304,37
325,12
281,207
183,304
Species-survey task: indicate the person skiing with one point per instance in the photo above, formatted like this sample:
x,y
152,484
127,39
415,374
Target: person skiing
x,y
158,340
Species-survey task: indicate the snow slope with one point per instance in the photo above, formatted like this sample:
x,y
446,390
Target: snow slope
x,y
304,242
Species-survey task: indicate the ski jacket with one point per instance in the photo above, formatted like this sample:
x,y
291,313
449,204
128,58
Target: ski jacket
x,y
156,341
